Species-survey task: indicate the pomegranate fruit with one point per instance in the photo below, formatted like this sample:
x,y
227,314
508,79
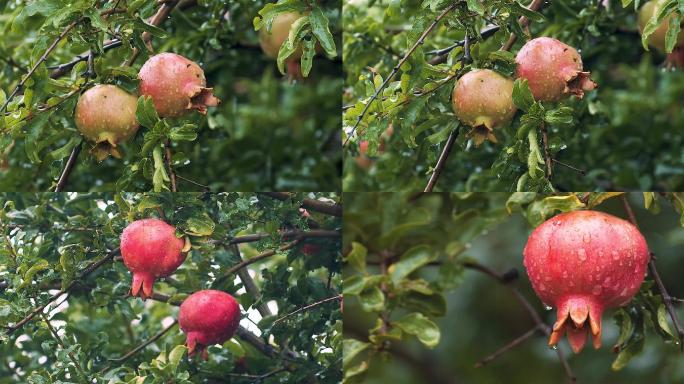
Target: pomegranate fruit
x,y
177,85
105,115
583,262
208,317
271,40
552,69
483,99
657,38
363,160
150,249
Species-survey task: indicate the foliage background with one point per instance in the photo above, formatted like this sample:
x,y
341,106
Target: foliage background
x,y
47,240
625,135
264,136
471,315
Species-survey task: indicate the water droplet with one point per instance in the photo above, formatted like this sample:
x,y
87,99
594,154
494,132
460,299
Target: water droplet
x,y
616,255
554,347
547,307
586,238
596,290
600,253
542,287
606,282
582,254
557,223
547,278
565,274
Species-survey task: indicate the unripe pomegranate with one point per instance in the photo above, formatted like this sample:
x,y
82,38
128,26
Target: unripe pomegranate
x,y
177,85
483,99
657,38
583,262
271,41
105,115
552,69
208,317
150,249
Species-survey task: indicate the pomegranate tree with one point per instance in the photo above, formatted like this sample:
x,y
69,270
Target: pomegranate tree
x,y
657,38
105,115
177,85
150,249
581,263
208,317
483,99
553,69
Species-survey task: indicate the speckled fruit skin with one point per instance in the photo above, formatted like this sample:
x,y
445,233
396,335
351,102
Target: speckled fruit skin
x,y
553,70
150,249
583,262
657,38
271,41
177,85
105,115
483,99
208,317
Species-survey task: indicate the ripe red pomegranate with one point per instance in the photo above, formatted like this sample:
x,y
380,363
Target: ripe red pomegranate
x,y
105,115
208,317
583,262
177,85
150,249
657,38
553,69
483,99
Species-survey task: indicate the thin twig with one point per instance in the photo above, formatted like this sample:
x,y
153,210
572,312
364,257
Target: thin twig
x,y
506,279
307,307
442,54
256,258
39,62
580,171
68,167
310,204
205,187
145,344
514,343
395,70
88,270
441,161
250,285
69,353
667,299
524,22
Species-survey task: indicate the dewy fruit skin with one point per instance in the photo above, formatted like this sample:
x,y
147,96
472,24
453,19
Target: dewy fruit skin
x,y
105,115
208,317
483,99
581,263
553,70
150,249
177,85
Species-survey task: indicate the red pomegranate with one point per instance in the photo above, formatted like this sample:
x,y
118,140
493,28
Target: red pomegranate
x,y
177,85
208,317
553,69
583,262
150,249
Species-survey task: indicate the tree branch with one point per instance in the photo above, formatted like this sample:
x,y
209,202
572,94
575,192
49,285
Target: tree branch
x,y
168,157
92,267
68,167
441,161
667,299
505,280
69,353
395,70
145,344
514,343
310,204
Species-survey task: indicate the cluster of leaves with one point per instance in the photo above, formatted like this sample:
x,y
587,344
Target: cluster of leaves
x,y
392,242
48,240
636,101
263,136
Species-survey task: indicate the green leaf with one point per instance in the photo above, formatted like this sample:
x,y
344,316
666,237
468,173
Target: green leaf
x,y
411,260
357,256
160,177
522,95
297,31
145,112
185,132
200,225
39,265
351,349
372,299
176,355
320,29
420,326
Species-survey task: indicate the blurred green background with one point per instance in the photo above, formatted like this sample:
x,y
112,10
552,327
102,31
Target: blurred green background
x,y
482,315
